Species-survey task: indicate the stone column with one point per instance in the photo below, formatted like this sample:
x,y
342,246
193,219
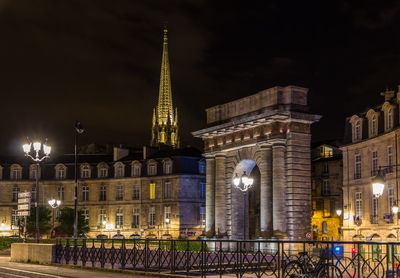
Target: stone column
x,y
266,191
220,195
278,189
210,195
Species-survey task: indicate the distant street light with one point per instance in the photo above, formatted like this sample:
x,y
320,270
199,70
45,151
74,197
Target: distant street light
x,y
54,204
37,148
339,212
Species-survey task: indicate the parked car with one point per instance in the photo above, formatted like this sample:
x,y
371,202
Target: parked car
x,y
101,237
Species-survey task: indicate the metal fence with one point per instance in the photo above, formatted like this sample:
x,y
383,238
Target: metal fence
x,y
259,258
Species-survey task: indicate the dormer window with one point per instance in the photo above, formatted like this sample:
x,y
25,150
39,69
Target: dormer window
x,y
33,172
61,172
167,167
389,123
102,170
152,169
119,170
16,172
85,172
357,131
136,170
373,125
388,109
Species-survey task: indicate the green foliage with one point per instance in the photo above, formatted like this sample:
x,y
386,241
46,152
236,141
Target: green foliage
x,y
44,221
5,242
66,220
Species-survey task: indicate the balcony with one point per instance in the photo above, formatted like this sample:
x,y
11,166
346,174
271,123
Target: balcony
x,y
357,220
374,219
388,218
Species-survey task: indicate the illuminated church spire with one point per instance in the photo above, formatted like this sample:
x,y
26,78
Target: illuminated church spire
x,y
165,119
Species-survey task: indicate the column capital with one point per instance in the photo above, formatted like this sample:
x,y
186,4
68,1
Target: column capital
x,y
264,146
209,155
220,155
278,142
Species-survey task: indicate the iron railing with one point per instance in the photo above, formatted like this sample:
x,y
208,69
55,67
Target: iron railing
x,y
258,258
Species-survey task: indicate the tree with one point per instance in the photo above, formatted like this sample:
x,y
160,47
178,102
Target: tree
x,y
44,221
66,220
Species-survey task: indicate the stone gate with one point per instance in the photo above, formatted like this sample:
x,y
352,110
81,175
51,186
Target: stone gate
x,y
268,131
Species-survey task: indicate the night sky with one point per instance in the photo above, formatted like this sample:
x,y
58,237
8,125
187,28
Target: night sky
x,y
99,61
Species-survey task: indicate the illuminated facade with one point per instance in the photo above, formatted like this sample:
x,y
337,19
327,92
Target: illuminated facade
x,y
371,142
165,117
151,193
326,193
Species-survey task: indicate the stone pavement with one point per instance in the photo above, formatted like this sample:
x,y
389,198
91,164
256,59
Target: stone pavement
x,y
19,270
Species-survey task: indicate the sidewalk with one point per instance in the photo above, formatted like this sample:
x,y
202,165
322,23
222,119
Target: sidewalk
x,y
51,271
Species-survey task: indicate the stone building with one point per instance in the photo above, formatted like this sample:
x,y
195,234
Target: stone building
x,y
326,192
128,192
371,143
267,137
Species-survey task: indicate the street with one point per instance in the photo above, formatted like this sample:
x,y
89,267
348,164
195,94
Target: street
x,y
19,270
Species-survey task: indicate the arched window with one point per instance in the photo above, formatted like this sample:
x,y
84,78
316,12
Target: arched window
x,y
136,170
119,171
357,131
85,172
373,125
103,171
167,167
61,173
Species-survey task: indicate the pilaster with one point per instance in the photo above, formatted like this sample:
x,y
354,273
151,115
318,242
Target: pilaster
x,y
266,209
210,195
220,195
278,188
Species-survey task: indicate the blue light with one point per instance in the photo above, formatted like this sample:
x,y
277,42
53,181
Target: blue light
x,y
338,249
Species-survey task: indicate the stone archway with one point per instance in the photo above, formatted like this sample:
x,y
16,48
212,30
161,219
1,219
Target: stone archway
x,y
245,206
272,129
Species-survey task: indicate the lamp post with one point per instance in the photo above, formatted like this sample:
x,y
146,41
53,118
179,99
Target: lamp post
x,y
243,183
46,149
78,130
167,220
54,204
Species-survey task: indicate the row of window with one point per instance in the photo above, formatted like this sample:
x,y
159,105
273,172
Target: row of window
x,y
375,207
102,170
119,217
374,163
372,117
119,192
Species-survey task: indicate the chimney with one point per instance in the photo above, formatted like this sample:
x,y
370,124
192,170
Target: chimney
x,y
119,153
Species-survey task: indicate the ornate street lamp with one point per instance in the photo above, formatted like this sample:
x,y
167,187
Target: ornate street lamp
x,y
378,184
37,148
54,204
395,208
243,183
78,130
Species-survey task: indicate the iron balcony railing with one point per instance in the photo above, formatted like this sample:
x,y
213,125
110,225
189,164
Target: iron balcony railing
x,y
214,257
